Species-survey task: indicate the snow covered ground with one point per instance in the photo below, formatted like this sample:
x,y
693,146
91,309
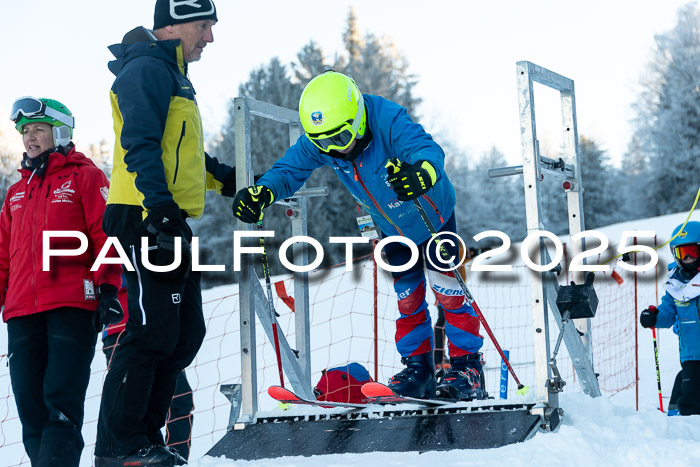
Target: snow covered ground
x,y
594,432
602,431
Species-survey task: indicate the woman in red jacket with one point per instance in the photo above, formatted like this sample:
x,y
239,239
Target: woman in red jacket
x,y
52,315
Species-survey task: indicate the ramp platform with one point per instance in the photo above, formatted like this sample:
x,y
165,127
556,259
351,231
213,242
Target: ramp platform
x,y
383,429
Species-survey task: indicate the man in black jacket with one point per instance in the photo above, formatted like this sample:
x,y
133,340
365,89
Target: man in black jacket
x,y
160,177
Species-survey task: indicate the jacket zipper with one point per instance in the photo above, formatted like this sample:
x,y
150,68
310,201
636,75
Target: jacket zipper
x,y
34,243
359,179
177,151
28,196
120,388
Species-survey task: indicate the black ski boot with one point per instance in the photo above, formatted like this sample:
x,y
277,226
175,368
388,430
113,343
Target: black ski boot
x,y
464,380
179,458
152,455
417,379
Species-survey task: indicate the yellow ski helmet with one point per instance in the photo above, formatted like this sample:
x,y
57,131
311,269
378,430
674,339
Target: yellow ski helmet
x,y
332,111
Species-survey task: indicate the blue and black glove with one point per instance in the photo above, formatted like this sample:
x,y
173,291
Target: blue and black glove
x,y
250,202
410,181
109,310
648,317
167,223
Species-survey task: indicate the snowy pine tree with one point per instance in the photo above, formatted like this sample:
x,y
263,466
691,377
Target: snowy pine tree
x,y
484,203
633,182
101,155
668,120
601,197
9,162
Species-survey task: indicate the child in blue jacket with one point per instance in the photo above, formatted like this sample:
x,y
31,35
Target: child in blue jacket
x,y
357,135
679,308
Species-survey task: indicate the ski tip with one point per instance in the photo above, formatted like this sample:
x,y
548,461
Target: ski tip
x,y
374,389
522,390
278,392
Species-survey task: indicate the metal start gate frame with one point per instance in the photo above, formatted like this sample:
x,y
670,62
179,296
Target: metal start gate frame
x,y
544,286
296,363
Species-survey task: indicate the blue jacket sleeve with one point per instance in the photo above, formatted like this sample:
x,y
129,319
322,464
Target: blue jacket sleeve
x,y
667,312
409,139
290,172
144,90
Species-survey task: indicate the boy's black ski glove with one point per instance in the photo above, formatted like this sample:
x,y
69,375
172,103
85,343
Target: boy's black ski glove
x,y
250,202
109,310
410,181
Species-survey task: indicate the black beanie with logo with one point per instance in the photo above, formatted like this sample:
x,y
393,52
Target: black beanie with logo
x,y
169,12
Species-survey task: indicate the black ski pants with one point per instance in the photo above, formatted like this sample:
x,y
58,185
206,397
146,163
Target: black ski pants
x,y
676,391
50,355
178,427
689,398
164,331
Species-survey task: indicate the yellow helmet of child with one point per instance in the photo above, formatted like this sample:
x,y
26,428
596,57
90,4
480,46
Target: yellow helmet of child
x,y
332,111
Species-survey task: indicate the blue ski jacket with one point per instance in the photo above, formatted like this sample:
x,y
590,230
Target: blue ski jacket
x,y
680,309
394,134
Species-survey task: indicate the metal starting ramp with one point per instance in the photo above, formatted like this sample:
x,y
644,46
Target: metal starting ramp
x,y
317,431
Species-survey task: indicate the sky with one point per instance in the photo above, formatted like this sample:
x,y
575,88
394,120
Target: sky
x,y
462,52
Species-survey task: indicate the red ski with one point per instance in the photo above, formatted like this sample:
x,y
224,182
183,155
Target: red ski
x,y
288,397
383,394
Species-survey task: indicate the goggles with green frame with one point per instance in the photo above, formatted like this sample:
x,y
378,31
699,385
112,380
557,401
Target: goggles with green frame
x,y
341,137
31,108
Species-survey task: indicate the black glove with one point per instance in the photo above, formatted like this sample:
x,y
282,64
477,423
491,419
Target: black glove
x,y
648,317
410,181
168,226
109,310
249,203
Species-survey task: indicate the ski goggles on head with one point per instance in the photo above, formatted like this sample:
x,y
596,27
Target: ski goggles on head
x,y
340,138
31,107
692,250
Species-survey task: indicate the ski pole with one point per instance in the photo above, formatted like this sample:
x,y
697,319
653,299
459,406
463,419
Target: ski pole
x,y
273,313
395,164
656,358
